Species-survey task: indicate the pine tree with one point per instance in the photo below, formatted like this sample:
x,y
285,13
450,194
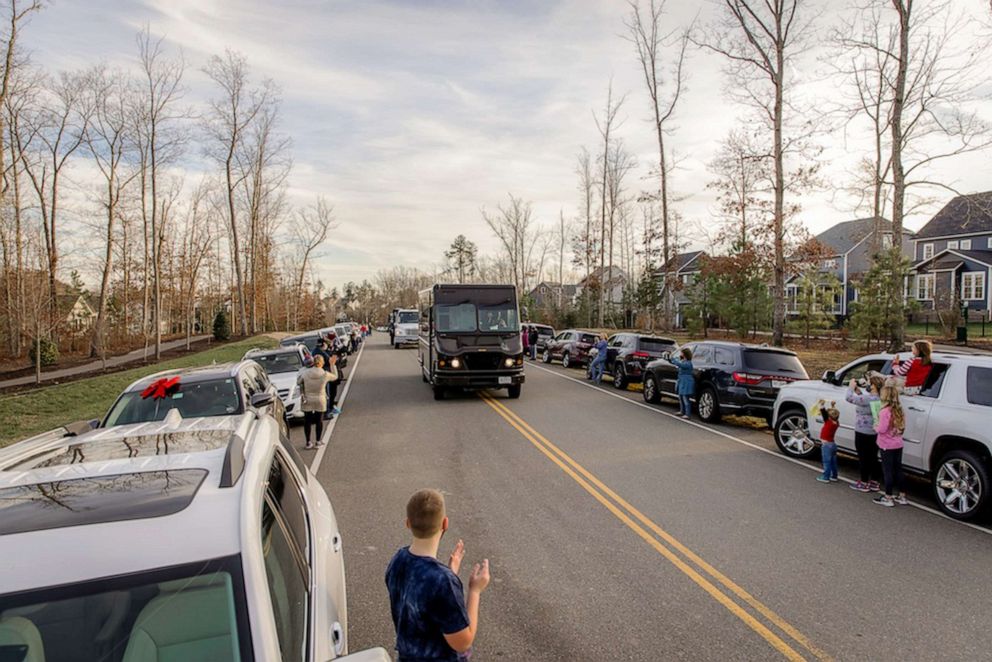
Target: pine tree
x,y
461,258
222,328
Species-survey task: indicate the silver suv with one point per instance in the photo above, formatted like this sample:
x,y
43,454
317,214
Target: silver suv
x,y
948,434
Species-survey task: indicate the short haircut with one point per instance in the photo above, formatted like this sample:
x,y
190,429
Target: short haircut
x,y
686,353
425,510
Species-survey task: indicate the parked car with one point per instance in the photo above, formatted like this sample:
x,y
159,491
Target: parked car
x,y
544,333
571,347
283,365
191,539
731,378
223,389
948,438
627,354
309,339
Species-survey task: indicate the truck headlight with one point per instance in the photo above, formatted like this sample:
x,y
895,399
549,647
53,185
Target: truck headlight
x,y
456,363
509,362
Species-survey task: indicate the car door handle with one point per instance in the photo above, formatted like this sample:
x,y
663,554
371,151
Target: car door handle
x,y
915,409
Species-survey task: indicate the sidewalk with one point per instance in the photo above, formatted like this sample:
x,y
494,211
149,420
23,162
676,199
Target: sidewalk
x,y
97,365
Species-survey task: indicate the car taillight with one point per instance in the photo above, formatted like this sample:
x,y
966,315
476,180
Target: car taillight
x,y
641,355
748,379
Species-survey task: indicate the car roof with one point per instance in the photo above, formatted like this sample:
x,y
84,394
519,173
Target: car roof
x,y
742,345
192,375
177,497
978,359
281,349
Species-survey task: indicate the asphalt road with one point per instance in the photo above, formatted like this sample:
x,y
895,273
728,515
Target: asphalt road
x,y
616,531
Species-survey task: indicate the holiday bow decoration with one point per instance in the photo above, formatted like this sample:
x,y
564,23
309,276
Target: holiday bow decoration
x,y
161,388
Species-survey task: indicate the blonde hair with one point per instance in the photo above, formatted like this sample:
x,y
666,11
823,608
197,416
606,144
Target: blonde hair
x,y
425,512
318,361
890,398
877,380
833,413
924,349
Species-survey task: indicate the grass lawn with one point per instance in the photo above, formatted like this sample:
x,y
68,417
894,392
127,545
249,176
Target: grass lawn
x,y
28,413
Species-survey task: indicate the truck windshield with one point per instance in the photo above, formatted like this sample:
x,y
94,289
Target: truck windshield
x,y
408,317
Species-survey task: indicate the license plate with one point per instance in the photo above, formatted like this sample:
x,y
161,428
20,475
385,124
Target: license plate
x,y
778,383
505,380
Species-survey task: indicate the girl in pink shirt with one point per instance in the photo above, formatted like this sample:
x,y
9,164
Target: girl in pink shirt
x,y
891,424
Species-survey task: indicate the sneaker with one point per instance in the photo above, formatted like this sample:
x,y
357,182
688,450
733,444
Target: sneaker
x,y
319,443
309,446
883,500
873,486
860,487
834,479
823,479
336,410
901,500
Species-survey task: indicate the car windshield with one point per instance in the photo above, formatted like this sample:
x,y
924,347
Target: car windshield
x,y
198,609
215,397
277,363
768,361
408,317
655,345
309,341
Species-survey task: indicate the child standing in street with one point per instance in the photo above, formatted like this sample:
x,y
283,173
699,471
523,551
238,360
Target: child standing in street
x,y
891,424
433,619
828,448
864,431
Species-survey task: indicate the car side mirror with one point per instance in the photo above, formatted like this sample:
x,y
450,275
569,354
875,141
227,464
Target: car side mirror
x,y
830,377
260,400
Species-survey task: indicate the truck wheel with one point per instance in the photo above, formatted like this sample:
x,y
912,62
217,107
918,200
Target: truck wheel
x,y
565,362
792,434
708,406
619,378
438,392
513,391
961,484
651,393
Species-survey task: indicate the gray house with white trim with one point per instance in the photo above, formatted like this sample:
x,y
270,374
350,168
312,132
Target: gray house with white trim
x,y
953,255
685,267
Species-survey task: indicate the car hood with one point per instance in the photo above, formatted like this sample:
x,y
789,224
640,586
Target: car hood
x,y
283,380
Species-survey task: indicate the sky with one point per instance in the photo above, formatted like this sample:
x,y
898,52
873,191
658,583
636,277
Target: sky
x,y
411,116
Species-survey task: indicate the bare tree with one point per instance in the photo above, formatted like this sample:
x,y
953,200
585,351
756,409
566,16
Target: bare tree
x,y
197,236
759,39
514,226
606,125
584,245
645,31
312,226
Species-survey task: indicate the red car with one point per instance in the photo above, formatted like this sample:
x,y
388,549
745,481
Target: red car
x,y
571,347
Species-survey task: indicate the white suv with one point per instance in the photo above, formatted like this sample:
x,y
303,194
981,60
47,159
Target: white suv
x,y
185,539
948,437
282,365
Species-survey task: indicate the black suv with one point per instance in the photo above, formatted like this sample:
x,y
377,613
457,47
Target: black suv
x,y
731,378
627,354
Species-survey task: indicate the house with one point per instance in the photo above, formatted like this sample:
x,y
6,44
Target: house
x,y
685,268
75,311
548,294
953,256
848,257
613,281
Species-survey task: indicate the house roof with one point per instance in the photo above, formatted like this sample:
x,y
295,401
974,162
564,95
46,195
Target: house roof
x,y
965,214
682,260
949,258
614,273
842,237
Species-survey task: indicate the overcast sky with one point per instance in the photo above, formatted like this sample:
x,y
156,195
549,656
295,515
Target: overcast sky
x,y
412,115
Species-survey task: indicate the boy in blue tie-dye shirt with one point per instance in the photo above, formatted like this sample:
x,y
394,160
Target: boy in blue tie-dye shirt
x,y
433,619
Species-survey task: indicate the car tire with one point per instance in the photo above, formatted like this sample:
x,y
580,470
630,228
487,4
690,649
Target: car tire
x,y
514,391
546,357
708,405
792,434
619,378
961,485
565,362
438,392
423,376
651,393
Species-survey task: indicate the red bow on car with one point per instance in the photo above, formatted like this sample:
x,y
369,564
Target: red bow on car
x,y
161,388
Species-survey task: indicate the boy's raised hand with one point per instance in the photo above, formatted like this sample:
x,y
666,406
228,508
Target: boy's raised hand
x,y
479,579
455,560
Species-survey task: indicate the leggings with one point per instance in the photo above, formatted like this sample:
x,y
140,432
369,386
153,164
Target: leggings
x,y
313,418
892,470
867,456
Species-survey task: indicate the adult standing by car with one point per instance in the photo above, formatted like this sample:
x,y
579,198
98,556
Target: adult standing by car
x,y
685,385
532,337
599,363
525,339
865,437
330,365
313,391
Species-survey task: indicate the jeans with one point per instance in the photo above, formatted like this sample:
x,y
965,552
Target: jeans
x,y
596,369
533,352
311,418
685,405
828,451
867,456
892,471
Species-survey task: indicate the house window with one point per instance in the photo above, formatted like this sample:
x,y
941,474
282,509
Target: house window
x,y
687,279
973,286
927,251
924,287
989,242
830,264
952,245
791,298
887,240
966,244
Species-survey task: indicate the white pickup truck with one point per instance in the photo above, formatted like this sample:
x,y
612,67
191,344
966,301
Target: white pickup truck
x,y
948,433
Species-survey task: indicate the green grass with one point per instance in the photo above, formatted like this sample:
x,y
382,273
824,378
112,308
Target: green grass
x,y
30,412
974,330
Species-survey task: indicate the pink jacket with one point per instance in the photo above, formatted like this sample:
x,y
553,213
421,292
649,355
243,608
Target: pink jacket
x,y
889,438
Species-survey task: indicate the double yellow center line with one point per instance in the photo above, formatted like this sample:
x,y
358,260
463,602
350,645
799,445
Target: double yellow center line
x,y
711,580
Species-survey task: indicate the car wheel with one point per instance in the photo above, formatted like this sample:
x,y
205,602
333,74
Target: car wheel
x,y
565,362
423,376
708,405
619,378
961,484
792,434
438,392
513,391
546,357
650,391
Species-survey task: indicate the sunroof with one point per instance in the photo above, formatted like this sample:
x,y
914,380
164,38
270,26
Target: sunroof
x,y
119,448
97,499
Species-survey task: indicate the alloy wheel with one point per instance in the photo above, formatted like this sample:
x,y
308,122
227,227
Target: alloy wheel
x,y
958,485
793,435
564,360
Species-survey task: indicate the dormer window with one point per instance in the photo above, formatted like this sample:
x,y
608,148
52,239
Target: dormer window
x,y
966,244
952,245
927,251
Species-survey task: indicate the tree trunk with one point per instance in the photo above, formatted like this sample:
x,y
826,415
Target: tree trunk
x,y
98,342
778,295
897,330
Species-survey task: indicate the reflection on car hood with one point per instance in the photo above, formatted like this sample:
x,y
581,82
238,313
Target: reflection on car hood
x,y
282,380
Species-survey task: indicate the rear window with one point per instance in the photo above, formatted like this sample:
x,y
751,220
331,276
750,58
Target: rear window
x,y
980,386
278,363
655,345
218,397
587,337
763,361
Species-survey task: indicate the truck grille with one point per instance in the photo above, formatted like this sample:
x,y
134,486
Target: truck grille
x,y
483,360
